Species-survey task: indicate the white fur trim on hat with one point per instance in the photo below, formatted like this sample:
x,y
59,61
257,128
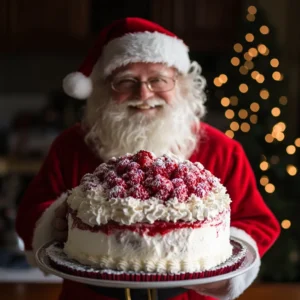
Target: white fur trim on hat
x,y
149,47
77,85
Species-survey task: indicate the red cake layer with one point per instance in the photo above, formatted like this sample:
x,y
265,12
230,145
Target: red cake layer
x,y
158,227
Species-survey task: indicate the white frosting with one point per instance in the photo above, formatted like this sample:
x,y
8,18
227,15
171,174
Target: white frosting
x,y
93,207
180,250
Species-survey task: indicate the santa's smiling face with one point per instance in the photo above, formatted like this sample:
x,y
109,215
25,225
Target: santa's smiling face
x,y
144,106
139,83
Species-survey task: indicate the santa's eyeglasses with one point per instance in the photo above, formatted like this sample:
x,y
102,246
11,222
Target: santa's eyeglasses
x,y
155,84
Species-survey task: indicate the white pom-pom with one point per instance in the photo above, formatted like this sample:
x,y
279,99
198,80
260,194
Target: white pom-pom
x,y
77,85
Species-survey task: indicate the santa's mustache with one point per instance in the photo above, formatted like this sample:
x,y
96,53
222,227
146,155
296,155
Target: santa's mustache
x,y
150,102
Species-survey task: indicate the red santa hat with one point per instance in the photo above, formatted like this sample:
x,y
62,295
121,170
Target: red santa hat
x,y
126,41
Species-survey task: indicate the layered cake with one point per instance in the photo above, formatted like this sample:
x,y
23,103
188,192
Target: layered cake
x,y
152,214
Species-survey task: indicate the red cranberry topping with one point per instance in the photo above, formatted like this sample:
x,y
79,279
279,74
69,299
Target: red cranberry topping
x,y
181,171
159,168
180,189
160,186
177,182
171,166
117,181
110,177
117,192
138,192
143,176
144,158
190,180
134,177
89,181
133,166
122,165
102,170
201,189
181,193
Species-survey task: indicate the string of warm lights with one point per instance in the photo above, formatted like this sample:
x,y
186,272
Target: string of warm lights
x,y
244,60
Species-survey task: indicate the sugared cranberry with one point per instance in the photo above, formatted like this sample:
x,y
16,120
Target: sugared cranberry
x,y
181,171
181,193
158,168
199,166
138,192
102,170
190,180
171,166
117,192
122,165
110,175
142,176
133,166
110,178
117,181
213,181
134,177
161,186
177,182
201,189
88,178
193,169
89,181
180,189
144,158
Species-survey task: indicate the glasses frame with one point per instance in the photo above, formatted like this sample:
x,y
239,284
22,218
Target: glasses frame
x,y
148,84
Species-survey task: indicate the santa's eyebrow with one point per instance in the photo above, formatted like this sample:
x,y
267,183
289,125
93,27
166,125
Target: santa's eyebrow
x,y
125,74
132,74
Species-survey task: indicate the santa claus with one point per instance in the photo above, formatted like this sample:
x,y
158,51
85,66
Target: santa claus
x,y
142,92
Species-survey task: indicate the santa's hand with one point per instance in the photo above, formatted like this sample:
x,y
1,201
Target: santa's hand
x,y
217,289
60,224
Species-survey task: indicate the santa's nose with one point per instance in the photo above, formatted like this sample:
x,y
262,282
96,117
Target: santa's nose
x,y
143,92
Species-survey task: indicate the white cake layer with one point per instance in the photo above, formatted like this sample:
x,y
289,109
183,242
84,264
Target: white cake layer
x,y
180,250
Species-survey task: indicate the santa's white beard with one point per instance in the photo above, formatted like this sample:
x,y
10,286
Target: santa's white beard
x,y
116,130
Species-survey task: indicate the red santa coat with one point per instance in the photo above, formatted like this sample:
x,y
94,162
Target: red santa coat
x,y
69,159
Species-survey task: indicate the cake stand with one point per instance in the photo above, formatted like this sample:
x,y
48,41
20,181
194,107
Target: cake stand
x,y
248,255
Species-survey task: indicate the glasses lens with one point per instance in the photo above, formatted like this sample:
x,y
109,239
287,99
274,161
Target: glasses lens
x,y
157,84
161,84
124,85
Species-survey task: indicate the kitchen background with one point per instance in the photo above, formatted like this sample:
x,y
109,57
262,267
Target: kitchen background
x,y
249,52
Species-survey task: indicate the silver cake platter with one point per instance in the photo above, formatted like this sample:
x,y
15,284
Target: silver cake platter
x,y
250,257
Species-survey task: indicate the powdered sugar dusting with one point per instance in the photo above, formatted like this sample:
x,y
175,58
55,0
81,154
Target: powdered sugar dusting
x,y
143,177
153,175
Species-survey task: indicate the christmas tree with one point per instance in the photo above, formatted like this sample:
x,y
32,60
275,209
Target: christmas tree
x,y
252,90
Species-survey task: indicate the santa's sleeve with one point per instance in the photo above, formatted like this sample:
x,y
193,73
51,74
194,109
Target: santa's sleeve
x,y
36,209
251,219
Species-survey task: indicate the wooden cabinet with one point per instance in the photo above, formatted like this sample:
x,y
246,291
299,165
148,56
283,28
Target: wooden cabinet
x,y
36,25
204,25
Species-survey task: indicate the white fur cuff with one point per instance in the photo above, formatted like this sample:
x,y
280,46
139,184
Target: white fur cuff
x,y
240,283
43,232
237,285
